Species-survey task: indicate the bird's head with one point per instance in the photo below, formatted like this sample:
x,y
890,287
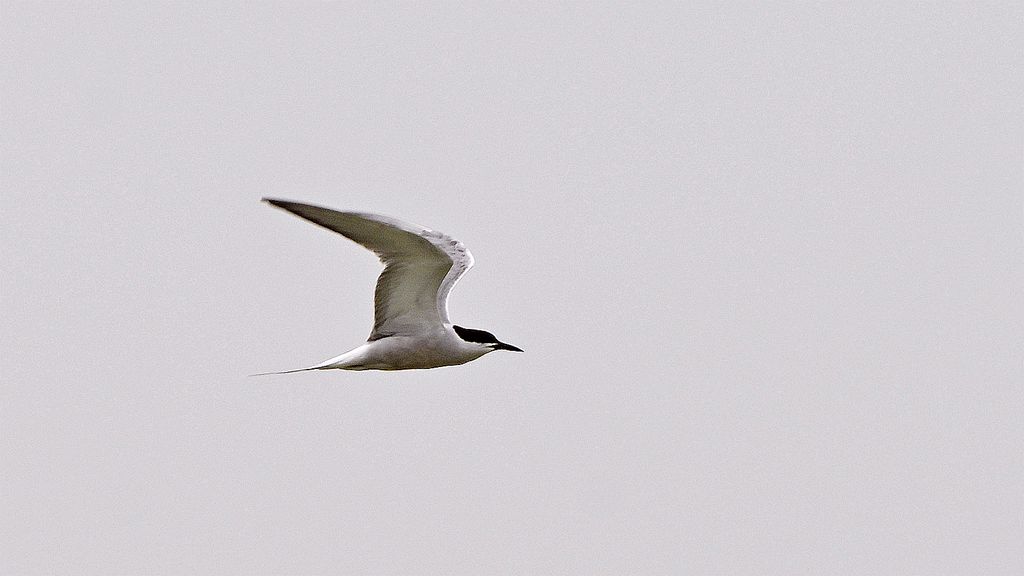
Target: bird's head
x,y
483,338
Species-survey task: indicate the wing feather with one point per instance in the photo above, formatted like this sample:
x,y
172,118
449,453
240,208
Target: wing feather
x,y
420,265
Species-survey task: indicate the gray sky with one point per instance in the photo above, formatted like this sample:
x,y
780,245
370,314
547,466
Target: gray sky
x,y
766,265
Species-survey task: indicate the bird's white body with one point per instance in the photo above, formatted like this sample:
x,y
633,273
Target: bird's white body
x,y
427,350
411,328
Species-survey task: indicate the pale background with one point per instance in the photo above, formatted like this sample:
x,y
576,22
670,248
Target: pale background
x,y
765,262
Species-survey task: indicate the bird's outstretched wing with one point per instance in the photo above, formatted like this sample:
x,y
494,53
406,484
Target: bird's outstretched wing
x,y
420,265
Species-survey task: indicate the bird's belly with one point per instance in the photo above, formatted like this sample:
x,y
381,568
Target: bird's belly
x,y
405,353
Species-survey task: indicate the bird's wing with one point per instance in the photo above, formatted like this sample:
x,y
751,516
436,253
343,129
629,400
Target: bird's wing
x,y
420,265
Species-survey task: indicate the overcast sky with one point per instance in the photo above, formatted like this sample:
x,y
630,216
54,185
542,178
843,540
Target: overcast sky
x,y
766,264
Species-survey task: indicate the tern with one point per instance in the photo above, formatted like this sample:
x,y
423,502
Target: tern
x,y
411,329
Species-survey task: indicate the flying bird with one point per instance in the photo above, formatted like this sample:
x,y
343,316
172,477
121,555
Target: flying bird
x,y
411,328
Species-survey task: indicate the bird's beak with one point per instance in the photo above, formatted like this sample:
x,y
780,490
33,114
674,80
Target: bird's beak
x,y
503,346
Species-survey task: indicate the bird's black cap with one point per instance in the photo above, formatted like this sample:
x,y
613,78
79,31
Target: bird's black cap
x,y
483,337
